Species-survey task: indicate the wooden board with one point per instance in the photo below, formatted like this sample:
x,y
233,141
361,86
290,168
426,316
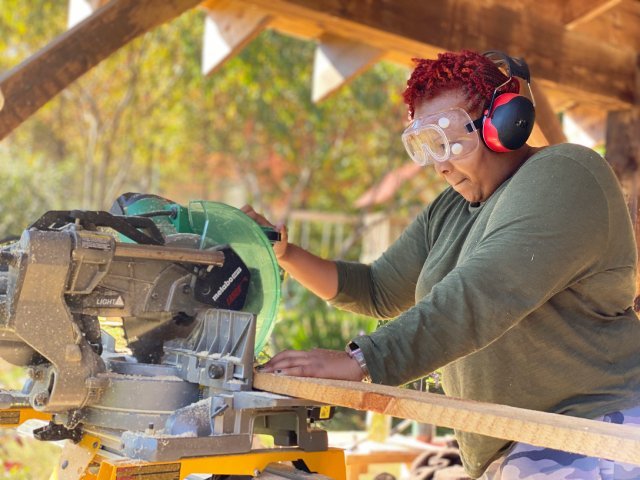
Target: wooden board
x,y
38,79
561,432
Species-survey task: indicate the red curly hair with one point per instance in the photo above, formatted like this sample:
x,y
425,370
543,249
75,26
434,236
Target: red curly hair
x,y
474,74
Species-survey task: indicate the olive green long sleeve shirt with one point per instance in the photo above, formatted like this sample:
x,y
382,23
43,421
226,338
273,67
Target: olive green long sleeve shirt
x,y
522,300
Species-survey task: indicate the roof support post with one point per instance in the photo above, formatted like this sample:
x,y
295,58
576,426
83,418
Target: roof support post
x,y
623,153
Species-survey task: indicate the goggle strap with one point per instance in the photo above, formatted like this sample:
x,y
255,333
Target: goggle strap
x,y
475,125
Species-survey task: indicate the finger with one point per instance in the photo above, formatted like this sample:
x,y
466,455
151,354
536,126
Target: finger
x,y
316,371
298,371
289,354
282,229
258,218
286,359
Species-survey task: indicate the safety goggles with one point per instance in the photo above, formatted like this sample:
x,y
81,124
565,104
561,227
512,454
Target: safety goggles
x,y
443,136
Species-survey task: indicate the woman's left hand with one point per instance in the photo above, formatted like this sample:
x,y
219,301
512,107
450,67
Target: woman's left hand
x,y
318,362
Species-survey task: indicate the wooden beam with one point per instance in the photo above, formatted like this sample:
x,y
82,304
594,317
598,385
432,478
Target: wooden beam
x,y
297,27
537,138
42,76
585,125
561,432
337,61
617,26
577,12
413,28
228,28
623,154
546,118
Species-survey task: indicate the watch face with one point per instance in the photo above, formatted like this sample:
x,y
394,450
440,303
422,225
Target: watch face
x,y
353,346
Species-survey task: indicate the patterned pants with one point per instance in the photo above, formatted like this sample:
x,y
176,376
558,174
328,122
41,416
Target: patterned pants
x,y
525,461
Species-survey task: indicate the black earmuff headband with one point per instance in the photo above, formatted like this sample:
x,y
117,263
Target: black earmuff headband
x,y
514,125
515,67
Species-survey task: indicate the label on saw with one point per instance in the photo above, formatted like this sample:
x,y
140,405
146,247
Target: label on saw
x,y
226,286
94,242
164,471
10,417
102,298
112,301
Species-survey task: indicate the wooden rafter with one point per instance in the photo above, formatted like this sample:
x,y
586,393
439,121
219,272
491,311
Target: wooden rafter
x,y
337,61
38,79
577,12
413,28
229,27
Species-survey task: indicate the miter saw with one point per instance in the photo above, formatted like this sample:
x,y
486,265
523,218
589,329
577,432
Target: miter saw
x,y
196,290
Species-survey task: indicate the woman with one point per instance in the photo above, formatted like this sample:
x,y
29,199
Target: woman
x,y
516,281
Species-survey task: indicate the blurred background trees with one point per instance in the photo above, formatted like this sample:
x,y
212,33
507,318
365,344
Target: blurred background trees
x,y
147,120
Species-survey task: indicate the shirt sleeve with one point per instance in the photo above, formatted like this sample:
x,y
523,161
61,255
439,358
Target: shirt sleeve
x,y
385,288
544,233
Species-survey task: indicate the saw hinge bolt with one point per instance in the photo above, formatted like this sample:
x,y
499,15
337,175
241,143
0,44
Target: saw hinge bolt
x,y
41,399
35,374
215,371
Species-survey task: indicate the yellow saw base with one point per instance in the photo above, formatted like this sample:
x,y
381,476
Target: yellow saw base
x,y
14,417
87,462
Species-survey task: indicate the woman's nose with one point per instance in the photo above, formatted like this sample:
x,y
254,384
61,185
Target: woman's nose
x,y
443,167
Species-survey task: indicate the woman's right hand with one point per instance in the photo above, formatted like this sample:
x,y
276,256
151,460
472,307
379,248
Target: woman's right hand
x,y
315,273
279,247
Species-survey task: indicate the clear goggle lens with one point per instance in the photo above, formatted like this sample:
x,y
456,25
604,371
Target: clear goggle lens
x,y
440,137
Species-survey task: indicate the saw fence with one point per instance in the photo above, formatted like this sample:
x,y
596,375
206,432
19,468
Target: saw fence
x,y
561,432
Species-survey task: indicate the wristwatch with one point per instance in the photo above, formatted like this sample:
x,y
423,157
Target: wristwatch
x,y
354,352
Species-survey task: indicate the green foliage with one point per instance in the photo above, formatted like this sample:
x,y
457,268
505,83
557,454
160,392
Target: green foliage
x,y
18,455
11,377
26,458
28,190
146,119
306,321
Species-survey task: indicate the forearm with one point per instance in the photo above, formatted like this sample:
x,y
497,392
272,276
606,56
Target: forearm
x,y
315,273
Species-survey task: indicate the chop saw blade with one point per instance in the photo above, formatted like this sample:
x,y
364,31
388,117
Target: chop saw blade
x,y
222,224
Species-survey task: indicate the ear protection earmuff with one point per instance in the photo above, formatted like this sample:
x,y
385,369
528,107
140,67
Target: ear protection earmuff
x,y
507,122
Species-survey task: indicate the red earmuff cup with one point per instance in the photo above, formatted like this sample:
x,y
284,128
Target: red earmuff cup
x,y
489,131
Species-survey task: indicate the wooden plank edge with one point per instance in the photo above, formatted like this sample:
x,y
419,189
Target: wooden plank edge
x,y
550,430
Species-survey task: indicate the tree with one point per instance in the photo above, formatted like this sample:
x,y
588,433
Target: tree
x,y
147,120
